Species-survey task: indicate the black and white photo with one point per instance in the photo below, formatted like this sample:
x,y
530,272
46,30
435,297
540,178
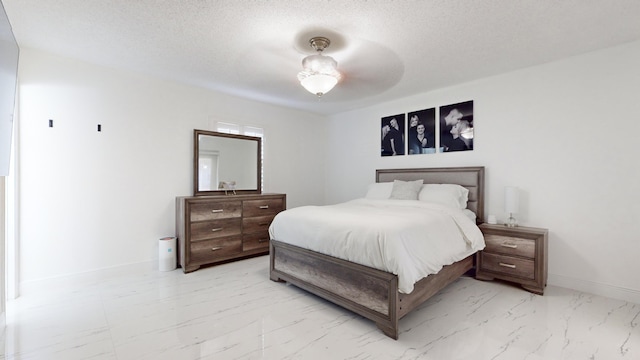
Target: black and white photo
x,y
392,135
421,136
456,127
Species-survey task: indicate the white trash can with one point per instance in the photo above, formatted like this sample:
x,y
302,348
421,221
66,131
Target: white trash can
x,y
167,254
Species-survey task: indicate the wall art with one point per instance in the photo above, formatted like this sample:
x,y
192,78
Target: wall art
x,y
456,127
392,140
421,135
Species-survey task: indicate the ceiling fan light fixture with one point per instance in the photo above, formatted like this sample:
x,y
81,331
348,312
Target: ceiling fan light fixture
x,y
320,72
318,84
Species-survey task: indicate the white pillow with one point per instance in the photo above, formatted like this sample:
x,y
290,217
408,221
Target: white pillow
x,y
379,191
406,190
451,195
470,214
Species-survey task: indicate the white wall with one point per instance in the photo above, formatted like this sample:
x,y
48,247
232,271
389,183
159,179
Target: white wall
x,y
91,199
564,132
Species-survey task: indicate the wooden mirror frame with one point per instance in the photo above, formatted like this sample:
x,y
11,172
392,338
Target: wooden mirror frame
x,y
196,158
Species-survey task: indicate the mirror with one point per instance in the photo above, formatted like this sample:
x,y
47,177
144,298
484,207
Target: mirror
x,y
226,163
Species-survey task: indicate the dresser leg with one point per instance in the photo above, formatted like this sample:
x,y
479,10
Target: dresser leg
x,y
535,290
190,268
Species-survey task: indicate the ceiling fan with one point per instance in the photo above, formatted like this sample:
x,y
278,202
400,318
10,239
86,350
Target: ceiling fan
x,y
320,72
357,68
365,68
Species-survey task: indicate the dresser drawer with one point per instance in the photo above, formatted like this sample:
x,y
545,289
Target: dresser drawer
x,y
523,268
203,211
210,250
256,224
215,229
262,207
510,245
255,241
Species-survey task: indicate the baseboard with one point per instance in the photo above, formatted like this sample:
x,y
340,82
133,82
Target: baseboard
x,y
592,287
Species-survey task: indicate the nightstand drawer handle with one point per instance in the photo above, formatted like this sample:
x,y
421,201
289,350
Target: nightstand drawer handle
x,y
264,207
217,210
511,246
216,248
510,266
263,240
264,224
216,229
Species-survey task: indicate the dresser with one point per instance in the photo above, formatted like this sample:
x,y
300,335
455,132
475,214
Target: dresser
x,y
517,254
213,229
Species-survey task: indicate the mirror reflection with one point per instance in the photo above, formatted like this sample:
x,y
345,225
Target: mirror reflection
x,y
226,163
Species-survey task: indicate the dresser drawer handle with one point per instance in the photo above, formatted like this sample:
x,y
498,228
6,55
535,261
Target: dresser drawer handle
x,y
217,210
510,246
216,229
216,248
510,266
263,240
264,207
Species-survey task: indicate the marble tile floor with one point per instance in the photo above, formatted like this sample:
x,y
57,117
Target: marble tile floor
x,y
233,311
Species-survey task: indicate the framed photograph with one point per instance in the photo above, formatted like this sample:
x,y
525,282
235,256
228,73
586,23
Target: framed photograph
x,y
456,127
421,135
392,142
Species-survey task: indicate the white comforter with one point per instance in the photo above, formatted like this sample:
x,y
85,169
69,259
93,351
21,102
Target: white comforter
x,y
411,239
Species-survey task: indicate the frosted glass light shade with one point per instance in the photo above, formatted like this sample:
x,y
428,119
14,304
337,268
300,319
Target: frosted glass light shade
x,y
319,75
511,199
319,84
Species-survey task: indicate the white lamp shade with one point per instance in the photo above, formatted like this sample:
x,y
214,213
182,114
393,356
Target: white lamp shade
x,y
319,75
511,199
319,84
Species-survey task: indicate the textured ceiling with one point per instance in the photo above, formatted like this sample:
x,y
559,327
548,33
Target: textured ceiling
x,y
385,49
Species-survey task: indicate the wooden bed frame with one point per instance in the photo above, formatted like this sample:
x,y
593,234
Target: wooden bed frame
x,y
367,291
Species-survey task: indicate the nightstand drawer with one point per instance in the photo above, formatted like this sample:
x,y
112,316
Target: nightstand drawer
x,y
215,210
211,250
510,245
215,229
508,265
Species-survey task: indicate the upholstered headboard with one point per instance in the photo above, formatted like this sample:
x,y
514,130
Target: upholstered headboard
x,y
471,178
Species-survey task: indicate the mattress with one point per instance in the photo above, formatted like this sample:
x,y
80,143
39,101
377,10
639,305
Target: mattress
x,y
409,238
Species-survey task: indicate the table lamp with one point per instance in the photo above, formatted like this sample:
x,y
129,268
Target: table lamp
x,y
511,204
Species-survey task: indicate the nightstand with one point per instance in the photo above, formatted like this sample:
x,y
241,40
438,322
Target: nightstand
x,y
517,254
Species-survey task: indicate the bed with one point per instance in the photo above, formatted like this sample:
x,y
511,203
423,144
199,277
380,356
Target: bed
x,y
367,291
